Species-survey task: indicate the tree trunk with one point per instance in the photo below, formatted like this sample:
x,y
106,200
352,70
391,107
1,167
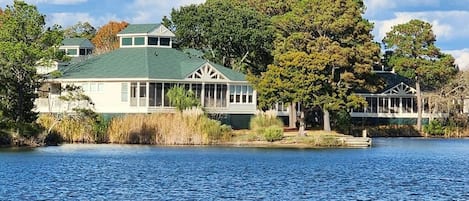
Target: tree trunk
x,y
419,106
292,116
301,130
327,121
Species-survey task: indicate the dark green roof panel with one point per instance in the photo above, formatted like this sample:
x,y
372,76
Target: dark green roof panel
x,y
139,28
390,80
73,41
147,62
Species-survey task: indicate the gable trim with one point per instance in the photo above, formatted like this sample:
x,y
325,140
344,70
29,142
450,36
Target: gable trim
x,y
206,73
401,89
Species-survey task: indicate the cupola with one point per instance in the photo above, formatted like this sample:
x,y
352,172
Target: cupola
x,y
146,35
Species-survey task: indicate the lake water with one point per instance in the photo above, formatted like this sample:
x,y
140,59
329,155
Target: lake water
x,y
393,169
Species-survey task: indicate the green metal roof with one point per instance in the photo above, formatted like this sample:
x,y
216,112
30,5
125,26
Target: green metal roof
x,y
74,41
139,28
142,62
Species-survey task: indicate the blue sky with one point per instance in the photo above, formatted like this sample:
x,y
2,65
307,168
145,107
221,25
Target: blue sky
x,y
450,18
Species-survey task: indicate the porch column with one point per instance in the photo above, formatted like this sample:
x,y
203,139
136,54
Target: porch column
x,y
202,95
400,106
227,95
137,94
148,93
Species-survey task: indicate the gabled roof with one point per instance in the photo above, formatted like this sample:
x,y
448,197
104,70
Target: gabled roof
x,y
76,42
139,28
391,80
143,63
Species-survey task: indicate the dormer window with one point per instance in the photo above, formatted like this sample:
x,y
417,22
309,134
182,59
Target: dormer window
x,y
146,35
76,47
139,41
153,41
72,52
165,41
127,42
85,51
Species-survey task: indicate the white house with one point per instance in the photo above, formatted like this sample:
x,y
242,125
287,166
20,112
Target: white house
x,y
136,77
77,49
396,103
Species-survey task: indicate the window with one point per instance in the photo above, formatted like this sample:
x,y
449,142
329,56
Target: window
x,y
383,105
241,94
407,105
85,86
71,51
124,92
139,41
89,51
281,107
414,106
221,95
165,41
133,94
93,87
197,89
209,95
372,105
142,93
155,93
152,41
82,52
143,90
167,87
126,41
395,105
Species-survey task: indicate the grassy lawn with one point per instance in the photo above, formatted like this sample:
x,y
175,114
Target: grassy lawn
x,y
290,139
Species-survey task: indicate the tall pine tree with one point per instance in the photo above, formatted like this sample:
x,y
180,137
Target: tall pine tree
x,y
413,54
324,50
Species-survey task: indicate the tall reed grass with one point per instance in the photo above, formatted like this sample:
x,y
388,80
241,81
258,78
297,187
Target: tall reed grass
x,y
69,128
189,127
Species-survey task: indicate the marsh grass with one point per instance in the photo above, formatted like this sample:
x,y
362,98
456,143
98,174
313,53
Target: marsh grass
x,y
190,127
69,128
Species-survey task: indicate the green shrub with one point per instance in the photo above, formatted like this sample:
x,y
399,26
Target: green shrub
x,y
435,127
341,121
273,133
263,120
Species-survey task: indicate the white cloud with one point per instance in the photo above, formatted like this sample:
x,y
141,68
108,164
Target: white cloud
x,y
69,19
58,2
446,24
151,11
462,58
374,7
36,2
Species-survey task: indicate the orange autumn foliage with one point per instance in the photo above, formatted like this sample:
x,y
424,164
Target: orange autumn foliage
x,y
106,38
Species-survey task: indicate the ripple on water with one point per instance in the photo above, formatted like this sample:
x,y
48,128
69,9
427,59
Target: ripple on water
x,y
395,169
